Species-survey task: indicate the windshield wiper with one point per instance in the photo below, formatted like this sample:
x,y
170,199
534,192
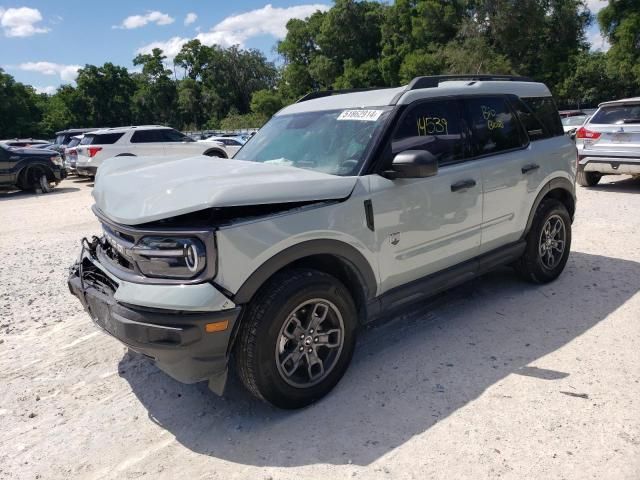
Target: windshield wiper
x,y
631,120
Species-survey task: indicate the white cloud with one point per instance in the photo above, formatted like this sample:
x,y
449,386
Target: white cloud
x,y
137,21
49,90
21,22
597,41
190,18
67,73
596,5
237,29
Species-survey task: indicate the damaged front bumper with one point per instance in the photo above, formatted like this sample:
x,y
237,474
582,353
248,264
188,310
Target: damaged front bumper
x,y
190,346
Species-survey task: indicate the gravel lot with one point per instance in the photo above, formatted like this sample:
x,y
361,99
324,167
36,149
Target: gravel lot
x,y
496,378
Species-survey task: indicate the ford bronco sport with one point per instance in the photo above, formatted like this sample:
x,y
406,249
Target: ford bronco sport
x,y
341,208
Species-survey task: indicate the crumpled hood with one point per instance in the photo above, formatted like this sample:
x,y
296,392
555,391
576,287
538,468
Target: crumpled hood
x,y
135,190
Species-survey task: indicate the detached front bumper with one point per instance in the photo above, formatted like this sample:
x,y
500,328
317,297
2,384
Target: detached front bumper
x,y
177,340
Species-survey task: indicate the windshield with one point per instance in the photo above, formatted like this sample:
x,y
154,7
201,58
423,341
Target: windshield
x,y
574,121
329,141
617,115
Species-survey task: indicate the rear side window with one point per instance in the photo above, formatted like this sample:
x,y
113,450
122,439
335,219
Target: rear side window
x,y
534,127
545,110
434,126
101,139
495,127
617,115
148,136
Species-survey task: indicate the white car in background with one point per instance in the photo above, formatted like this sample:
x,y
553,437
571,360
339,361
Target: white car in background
x,y
231,144
134,141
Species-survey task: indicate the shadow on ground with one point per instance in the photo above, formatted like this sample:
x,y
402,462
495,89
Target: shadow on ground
x,y
16,194
407,374
626,185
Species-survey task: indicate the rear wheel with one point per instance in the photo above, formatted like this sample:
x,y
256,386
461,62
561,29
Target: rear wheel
x,y
587,179
297,338
548,243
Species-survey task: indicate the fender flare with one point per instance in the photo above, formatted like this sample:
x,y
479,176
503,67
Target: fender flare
x,y
554,184
343,251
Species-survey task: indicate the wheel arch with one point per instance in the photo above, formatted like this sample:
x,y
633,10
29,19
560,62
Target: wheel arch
x,y
23,173
333,257
558,188
209,152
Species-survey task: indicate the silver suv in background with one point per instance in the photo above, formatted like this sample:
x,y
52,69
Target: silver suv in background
x,y
145,140
609,142
340,209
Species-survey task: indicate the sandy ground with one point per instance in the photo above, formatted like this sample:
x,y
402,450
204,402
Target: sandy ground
x,y
496,378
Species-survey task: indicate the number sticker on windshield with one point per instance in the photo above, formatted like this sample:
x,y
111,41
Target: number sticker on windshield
x,y
361,115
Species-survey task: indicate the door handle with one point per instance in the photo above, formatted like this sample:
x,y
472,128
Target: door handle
x,y
462,185
530,168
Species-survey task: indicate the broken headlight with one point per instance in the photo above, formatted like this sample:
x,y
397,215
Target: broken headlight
x,y
170,257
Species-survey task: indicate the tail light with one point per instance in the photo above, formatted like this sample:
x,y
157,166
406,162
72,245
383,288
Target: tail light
x,y
584,133
93,150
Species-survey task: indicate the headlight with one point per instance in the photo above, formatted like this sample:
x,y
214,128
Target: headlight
x,y
56,160
170,257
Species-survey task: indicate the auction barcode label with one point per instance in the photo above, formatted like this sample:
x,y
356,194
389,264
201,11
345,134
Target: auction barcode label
x,y
363,115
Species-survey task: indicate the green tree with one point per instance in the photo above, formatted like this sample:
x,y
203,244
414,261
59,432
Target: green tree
x,y
620,23
19,108
155,99
266,102
105,95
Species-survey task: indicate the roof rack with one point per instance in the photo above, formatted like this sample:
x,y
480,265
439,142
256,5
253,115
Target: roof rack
x,y
327,93
434,80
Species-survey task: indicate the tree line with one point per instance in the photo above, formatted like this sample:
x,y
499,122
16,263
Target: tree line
x,y
354,44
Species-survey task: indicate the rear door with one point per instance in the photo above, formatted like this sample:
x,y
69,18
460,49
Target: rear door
x,y
509,172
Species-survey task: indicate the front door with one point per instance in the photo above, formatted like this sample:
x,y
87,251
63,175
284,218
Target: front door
x,y
424,225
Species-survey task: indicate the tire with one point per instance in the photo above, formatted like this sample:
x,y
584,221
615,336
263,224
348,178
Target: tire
x,y
269,340
537,265
44,185
215,153
587,179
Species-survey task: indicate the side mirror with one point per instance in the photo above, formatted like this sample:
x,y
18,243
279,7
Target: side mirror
x,y
412,164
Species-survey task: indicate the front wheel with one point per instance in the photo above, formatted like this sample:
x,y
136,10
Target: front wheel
x,y
548,243
44,184
297,338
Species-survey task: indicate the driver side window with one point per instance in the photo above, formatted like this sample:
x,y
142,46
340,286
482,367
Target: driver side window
x,y
434,126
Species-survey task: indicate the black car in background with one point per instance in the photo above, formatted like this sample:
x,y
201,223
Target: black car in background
x,y
30,168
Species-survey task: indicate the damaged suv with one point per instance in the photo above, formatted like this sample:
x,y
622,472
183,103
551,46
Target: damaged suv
x,y
340,209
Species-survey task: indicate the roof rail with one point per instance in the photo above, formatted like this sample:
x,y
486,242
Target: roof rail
x,y
327,93
434,81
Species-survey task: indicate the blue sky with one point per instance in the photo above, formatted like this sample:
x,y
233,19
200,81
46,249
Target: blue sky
x,y
43,42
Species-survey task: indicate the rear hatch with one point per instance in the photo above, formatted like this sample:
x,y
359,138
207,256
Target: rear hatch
x,y
92,144
614,130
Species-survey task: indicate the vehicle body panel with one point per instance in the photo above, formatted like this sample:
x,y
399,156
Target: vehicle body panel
x,y
509,192
135,190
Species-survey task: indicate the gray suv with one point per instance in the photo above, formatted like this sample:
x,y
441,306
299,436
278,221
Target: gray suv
x,y
609,142
342,208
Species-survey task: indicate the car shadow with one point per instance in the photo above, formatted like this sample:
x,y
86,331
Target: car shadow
x,y
407,374
17,194
626,185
